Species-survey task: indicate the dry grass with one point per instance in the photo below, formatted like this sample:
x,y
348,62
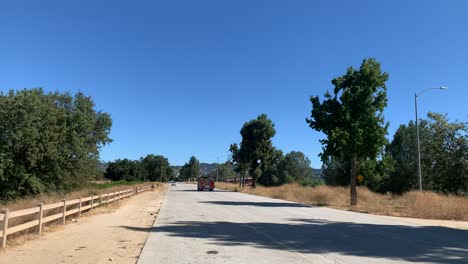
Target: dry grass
x,y
427,205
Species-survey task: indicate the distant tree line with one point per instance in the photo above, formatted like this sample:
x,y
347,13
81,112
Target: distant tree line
x,y
444,152
149,168
48,141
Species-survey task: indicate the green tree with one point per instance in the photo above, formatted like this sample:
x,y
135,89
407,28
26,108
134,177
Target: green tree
x,y
336,172
352,118
48,141
256,149
444,154
403,150
239,163
271,174
157,167
295,167
126,170
444,151
190,170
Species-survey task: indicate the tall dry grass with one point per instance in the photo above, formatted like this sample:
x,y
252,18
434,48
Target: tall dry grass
x,y
427,205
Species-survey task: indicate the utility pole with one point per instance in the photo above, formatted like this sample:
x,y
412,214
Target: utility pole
x,y
161,173
217,168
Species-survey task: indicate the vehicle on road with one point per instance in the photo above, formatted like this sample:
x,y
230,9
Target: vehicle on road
x,y
205,183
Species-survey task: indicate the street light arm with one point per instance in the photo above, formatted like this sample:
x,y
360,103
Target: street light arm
x,y
432,88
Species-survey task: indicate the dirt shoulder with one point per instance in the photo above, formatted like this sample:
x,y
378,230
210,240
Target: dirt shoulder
x,y
110,235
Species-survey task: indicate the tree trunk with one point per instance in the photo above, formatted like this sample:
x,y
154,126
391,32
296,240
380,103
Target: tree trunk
x,y
352,183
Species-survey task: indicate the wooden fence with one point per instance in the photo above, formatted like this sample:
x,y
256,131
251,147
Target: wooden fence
x,y
41,209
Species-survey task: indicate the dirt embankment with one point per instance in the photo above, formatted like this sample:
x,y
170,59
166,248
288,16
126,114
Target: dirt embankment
x,y
109,235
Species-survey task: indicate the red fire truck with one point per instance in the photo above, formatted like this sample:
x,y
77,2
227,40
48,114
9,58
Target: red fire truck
x,y
205,183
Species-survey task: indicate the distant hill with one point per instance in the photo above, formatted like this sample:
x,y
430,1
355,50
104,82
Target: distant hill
x,y
206,168
317,173
102,166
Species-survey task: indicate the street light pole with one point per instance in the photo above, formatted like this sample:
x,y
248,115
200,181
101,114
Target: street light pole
x,y
417,135
417,130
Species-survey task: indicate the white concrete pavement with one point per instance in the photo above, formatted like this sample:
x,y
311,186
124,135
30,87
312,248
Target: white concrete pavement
x,y
228,227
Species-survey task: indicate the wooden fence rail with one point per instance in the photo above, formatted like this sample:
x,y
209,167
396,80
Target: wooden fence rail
x,y
91,202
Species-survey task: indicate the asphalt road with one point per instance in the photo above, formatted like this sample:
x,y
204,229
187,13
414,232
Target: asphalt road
x,y
228,227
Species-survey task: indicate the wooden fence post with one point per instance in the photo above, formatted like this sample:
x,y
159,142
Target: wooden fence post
x,y
92,202
4,227
41,214
100,200
79,208
107,199
64,211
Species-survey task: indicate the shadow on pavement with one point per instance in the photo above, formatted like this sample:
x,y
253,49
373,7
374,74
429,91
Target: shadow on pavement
x,y
261,204
415,244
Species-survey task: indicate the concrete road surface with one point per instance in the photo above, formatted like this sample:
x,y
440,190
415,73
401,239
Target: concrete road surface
x,y
229,227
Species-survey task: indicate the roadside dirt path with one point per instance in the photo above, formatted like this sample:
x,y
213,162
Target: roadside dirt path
x,y
110,235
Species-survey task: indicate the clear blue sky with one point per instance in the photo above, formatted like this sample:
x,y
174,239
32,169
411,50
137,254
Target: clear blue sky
x,y
181,77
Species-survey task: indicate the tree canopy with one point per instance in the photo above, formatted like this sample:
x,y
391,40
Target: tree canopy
x,y
150,168
256,149
352,118
158,167
48,141
190,170
444,151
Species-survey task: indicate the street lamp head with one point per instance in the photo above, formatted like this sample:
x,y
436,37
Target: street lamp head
x,y
443,88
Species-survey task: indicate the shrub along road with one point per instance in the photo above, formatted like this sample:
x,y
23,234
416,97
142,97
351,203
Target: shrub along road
x,y
230,227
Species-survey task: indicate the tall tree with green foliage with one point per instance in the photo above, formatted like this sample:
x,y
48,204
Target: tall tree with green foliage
x,y
352,118
256,149
48,141
271,174
295,167
403,150
157,167
240,164
444,151
190,170
444,154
